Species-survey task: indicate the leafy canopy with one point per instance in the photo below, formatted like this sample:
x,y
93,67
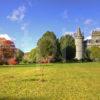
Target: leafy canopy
x,y
67,46
95,53
47,45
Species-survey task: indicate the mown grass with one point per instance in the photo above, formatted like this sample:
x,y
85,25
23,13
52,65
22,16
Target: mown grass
x,y
72,81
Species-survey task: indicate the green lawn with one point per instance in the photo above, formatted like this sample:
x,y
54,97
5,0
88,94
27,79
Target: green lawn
x,y
73,81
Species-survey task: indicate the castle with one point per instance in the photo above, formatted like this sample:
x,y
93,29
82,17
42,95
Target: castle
x,y
82,44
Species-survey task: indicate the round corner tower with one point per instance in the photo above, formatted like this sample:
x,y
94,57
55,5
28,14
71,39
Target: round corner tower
x,y
79,38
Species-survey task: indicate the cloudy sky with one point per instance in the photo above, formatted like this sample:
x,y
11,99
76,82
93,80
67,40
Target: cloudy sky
x,y
25,21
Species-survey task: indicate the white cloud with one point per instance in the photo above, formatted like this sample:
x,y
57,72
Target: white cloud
x,y
5,36
68,33
88,37
88,21
17,14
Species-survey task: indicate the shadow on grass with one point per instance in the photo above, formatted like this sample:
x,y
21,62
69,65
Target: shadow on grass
x,y
26,65
19,65
24,98
35,80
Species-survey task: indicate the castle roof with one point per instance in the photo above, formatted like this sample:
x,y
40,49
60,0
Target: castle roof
x,y
79,33
96,33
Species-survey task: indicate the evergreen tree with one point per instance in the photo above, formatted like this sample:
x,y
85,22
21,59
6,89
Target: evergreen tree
x,y
67,46
47,47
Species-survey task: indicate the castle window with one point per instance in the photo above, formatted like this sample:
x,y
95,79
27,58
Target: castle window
x,y
97,41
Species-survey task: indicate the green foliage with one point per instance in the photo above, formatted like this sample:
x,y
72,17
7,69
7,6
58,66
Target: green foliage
x,y
19,55
95,53
58,54
67,46
87,54
33,55
25,59
47,46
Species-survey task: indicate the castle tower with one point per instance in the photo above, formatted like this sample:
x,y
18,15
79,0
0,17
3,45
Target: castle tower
x,y
79,38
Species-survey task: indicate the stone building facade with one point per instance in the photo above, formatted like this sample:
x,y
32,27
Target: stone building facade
x,y
82,44
94,41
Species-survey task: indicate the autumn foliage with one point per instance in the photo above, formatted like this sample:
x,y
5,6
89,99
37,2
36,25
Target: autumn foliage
x,y
12,61
7,51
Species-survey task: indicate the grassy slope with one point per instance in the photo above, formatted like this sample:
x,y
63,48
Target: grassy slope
x,y
51,82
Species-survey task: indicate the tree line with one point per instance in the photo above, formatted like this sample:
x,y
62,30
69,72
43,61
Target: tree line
x,y
51,49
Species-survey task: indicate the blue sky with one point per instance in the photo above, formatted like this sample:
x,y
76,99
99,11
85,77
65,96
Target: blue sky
x,y
25,21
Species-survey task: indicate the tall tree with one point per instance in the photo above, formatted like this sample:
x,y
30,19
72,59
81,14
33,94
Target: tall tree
x,y
67,46
47,46
19,55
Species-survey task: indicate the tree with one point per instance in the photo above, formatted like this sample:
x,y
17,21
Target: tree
x,y
33,55
67,46
58,55
19,55
1,61
95,53
25,59
87,54
8,49
47,47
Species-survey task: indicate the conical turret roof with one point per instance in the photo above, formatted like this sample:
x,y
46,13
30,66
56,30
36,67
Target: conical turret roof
x,y
79,32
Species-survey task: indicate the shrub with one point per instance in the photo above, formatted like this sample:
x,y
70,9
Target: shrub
x,y
95,53
24,61
12,61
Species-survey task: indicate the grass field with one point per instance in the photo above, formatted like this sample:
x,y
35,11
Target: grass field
x,y
73,81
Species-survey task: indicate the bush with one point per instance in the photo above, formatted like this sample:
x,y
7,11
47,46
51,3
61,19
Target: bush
x,y
24,61
12,61
1,62
95,53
